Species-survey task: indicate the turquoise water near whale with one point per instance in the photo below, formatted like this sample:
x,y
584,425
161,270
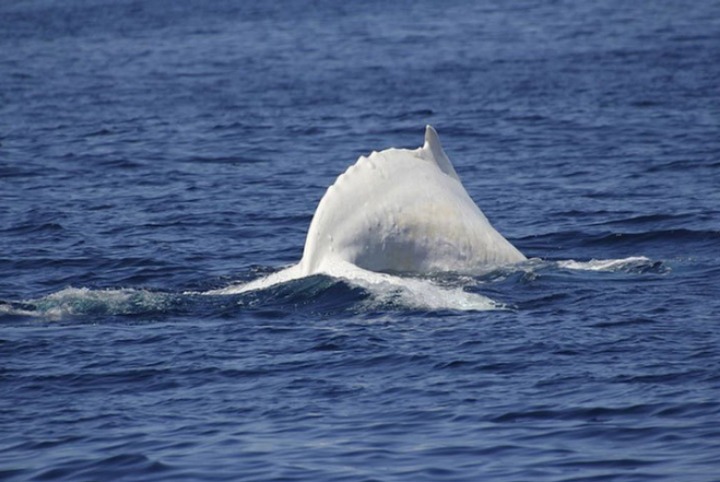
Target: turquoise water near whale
x,y
153,151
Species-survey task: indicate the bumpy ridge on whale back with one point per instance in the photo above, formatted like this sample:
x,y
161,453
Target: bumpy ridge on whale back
x,y
403,210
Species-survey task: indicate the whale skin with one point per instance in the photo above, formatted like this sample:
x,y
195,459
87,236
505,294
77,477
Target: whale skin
x,y
403,211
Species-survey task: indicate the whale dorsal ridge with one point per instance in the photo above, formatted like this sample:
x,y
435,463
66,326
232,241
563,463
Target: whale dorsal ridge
x,y
433,151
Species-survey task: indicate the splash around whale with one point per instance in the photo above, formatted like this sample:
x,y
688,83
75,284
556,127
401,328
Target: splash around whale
x,y
397,211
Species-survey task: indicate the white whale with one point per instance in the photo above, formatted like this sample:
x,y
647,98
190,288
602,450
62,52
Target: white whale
x,y
404,211
398,211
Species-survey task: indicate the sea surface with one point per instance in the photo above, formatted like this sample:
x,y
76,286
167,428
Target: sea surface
x,y
153,151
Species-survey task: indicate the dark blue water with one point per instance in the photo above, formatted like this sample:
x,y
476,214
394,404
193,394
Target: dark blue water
x,y
153,150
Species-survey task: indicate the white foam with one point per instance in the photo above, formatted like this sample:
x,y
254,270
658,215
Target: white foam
x,y
416,293
10,310
423,294
604,264
78,301
385,289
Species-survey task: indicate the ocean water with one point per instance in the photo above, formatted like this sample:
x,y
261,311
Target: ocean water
x,y
152,152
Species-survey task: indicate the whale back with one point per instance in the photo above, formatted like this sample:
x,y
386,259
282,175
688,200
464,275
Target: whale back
x,y
402,210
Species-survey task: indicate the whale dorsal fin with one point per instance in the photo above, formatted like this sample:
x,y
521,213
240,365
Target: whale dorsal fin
x,y
434,152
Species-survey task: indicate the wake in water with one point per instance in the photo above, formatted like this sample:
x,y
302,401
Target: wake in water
x,y
353,290
446,291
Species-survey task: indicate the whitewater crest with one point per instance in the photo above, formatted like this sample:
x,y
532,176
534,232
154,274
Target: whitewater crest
x,y
399,211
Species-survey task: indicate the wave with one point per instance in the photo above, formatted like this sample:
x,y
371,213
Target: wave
x,y
385,290
614,238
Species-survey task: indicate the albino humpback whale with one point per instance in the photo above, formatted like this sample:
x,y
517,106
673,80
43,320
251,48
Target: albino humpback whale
x,y
402,210
399,211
